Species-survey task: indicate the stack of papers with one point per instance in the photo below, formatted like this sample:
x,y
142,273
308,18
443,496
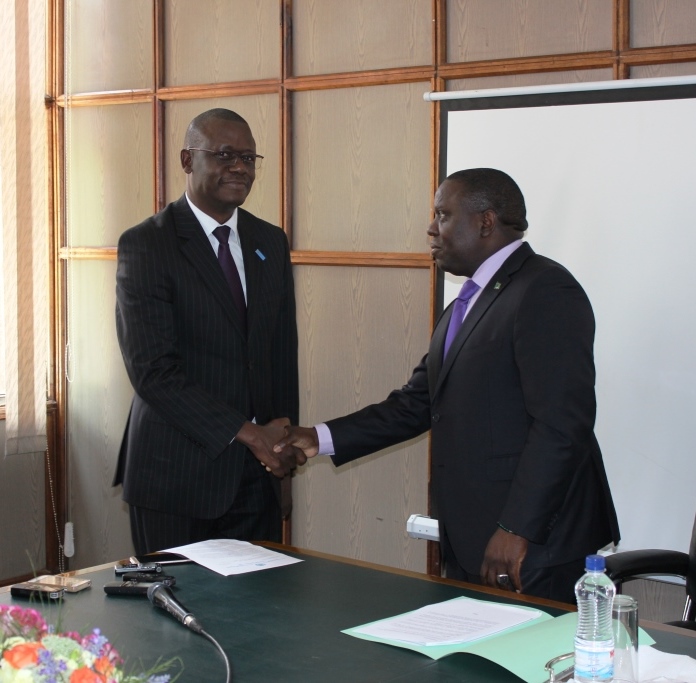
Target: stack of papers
x,y
461,620
226,556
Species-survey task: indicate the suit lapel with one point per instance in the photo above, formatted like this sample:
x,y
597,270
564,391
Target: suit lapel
x,y
482,307
195,247
253,264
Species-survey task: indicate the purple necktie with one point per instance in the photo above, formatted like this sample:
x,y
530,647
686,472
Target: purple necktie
x,y
469,288
229,268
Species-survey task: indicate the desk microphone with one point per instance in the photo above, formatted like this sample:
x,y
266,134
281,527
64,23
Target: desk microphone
x,y
162,596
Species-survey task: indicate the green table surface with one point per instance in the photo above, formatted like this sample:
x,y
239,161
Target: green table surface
x,y
285,624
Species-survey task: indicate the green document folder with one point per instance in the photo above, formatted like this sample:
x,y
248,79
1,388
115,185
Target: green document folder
x,y
524,650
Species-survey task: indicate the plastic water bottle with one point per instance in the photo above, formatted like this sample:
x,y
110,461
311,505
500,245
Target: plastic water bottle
x,y
594,639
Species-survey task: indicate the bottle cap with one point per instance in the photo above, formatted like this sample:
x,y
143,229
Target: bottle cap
x,y
595,563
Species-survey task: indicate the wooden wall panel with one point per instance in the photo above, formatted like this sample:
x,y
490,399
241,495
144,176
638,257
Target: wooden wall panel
x,y
663,70
262,112
362,169
520,80
99,396
22,528
109,44
498,29
333,36
110,172
220,40
662,22
362,331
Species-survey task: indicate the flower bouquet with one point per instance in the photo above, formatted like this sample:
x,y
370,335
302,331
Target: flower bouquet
x,y
30,652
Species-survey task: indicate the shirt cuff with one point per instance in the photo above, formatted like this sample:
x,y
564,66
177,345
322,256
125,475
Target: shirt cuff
x,y
326,446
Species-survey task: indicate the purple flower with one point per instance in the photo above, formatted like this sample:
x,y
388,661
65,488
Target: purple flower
x,y
95,643
50,668
93,652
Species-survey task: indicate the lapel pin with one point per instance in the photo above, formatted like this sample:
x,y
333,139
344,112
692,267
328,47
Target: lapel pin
x,y
259,253
497,285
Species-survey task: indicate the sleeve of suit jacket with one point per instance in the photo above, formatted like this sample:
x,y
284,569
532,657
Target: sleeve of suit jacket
x,y
403,415
553,339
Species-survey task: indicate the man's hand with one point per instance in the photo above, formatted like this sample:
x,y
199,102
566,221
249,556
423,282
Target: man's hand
x,y
260,440
303,438
504,555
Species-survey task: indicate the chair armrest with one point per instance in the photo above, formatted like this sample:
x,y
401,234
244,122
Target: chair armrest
x,y
628,565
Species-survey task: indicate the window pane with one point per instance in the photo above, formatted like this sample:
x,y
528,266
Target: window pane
x,y
663,70
99,398
110,172
349,359
500,29
2,305
521,80
334,36
362,169
109,45
662,22
217,41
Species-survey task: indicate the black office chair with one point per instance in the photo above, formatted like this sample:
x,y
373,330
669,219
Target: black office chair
x,y
635,563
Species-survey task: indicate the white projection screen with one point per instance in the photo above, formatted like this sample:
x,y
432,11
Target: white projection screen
x,y
608,175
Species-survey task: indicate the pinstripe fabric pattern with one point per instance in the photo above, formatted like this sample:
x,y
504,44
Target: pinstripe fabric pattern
x,y
254,515
196,376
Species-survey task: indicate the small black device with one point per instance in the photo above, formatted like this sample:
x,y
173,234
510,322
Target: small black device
x,y
126,588
37,591
163,558
132,568
142,577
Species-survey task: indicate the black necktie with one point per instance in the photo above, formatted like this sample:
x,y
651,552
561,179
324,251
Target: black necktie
x,y
229,268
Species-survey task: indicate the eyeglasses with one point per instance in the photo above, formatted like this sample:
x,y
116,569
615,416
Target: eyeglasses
x,y
227,157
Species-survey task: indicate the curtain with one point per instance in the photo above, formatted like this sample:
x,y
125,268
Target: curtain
x,y
25,224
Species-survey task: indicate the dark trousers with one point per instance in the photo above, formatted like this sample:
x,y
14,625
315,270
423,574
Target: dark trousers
x,y
553,583
253,516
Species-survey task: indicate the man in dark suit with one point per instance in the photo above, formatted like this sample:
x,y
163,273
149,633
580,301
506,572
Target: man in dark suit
x,y
518,480
207,331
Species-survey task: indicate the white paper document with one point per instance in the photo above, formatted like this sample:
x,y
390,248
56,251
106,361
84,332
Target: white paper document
x,y
227,556
461,620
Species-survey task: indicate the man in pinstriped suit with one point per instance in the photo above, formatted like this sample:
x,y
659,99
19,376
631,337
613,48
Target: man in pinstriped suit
x,y
212,390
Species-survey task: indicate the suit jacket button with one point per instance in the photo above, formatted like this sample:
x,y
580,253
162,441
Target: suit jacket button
x,y
436,417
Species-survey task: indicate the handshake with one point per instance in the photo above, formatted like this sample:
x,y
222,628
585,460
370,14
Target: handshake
x,y
279,447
